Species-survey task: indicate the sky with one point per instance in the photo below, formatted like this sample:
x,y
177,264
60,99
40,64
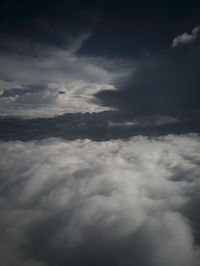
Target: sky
x,y
99,133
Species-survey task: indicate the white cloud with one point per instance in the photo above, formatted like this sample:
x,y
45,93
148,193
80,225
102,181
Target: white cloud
x,y
77,96
185,38
63,200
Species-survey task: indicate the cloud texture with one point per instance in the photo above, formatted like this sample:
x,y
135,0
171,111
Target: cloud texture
x,y
38,80
100,203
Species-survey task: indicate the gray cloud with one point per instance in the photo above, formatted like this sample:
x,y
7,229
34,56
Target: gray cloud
x,y
100,203
186,38
60,80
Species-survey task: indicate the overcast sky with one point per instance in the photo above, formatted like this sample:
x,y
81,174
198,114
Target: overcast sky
x,y
99,133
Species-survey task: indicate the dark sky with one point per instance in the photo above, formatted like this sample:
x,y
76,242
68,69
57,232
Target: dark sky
x,y
122,28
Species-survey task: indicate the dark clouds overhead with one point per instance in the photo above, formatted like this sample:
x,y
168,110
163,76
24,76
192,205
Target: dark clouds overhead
x,y
166,82
128,28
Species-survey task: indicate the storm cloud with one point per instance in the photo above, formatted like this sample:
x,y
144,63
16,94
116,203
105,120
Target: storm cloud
x,y
100,203
162,83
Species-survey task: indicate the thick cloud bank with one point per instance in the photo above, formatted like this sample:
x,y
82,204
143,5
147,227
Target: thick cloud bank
x,y
117,202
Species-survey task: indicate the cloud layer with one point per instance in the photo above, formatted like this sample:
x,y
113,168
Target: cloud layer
x,y
108,203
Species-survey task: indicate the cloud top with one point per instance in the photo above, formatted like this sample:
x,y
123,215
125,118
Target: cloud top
x,y
107,203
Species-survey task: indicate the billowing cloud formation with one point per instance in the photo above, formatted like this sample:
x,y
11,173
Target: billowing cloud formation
x,y
100,203
186,37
